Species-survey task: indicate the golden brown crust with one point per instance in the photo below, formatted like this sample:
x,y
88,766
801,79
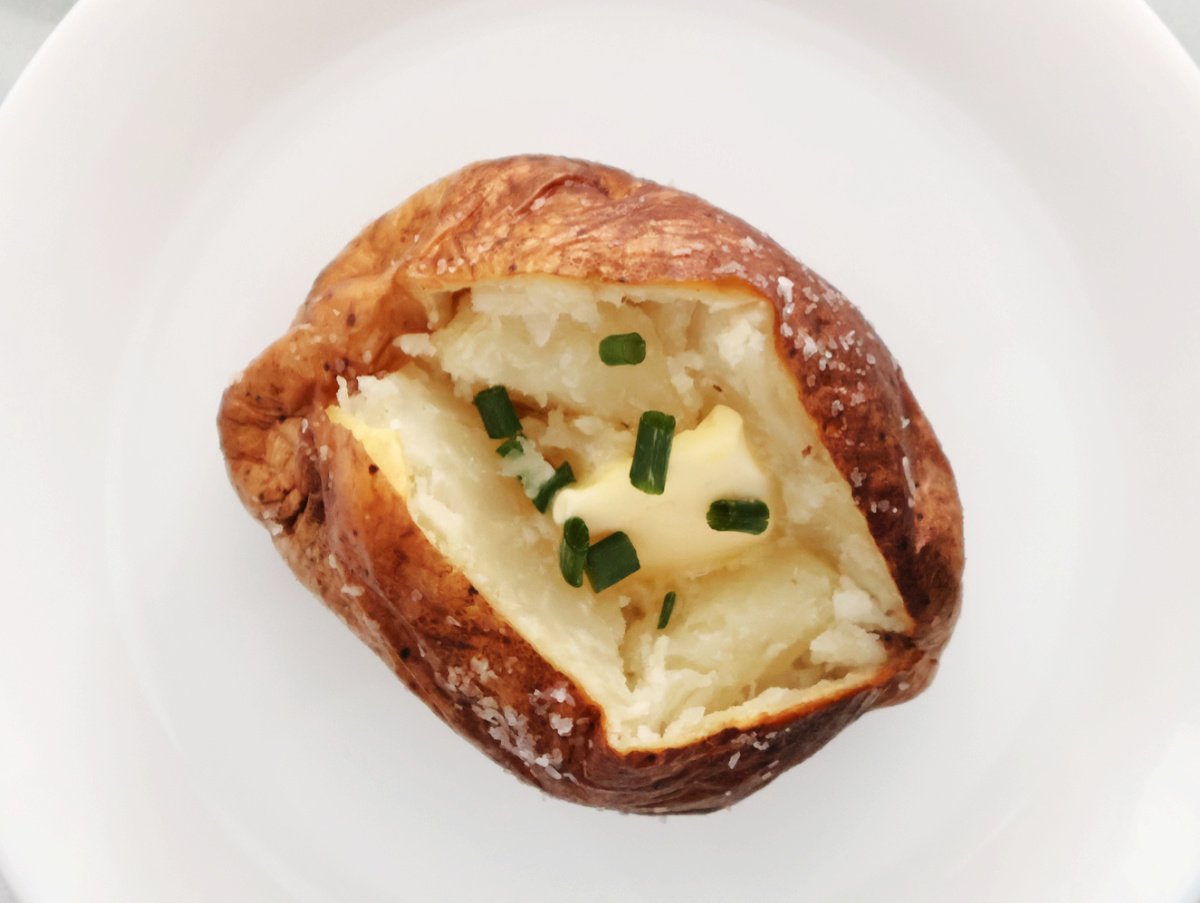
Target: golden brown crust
x,y
348,536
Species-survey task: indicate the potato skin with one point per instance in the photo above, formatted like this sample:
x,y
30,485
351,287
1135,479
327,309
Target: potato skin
x,y
348,536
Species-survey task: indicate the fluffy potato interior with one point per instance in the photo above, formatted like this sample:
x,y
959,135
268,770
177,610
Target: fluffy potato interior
x,y
791,618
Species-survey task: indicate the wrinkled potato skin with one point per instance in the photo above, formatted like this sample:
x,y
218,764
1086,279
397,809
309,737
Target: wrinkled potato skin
x,y
349,537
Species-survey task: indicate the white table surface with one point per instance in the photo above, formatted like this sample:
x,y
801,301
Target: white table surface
x,y
25,24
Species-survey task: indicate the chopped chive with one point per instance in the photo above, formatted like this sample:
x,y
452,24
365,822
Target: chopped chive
x,y
499,418
651,452
509,447
739,515
626,348
668,606
572,552
563,476
610,561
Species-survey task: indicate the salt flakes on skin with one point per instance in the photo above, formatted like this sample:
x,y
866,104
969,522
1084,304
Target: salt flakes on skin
x,y
506,726
352,591
483,669
733,760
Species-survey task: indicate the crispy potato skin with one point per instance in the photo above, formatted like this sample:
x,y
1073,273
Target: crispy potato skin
x,y
349,537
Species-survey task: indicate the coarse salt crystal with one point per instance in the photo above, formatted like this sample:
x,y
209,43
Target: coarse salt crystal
x,y
785,289
560,694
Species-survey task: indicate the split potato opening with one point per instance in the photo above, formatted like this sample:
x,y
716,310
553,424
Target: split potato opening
x,y
766,617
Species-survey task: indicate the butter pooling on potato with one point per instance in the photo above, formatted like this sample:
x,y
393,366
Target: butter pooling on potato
x,y
357,439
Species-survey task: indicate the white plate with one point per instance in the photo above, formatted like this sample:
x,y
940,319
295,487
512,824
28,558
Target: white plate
x,y
1011,191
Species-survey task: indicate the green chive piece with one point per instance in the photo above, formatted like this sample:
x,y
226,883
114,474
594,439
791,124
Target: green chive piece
x,y
651,452
626,348
499,418
563,476
572,552
509,447
739,515
668,606
610,561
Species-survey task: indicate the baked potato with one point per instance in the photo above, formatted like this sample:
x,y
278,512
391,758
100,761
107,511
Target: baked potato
x,y
540,370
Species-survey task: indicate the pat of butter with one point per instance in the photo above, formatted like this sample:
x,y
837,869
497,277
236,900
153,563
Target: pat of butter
x,y
671,531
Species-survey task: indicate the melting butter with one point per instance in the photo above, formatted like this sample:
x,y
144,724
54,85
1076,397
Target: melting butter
x,y
670,531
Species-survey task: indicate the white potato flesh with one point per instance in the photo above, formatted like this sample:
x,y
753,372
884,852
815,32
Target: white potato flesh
x,y
788,619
